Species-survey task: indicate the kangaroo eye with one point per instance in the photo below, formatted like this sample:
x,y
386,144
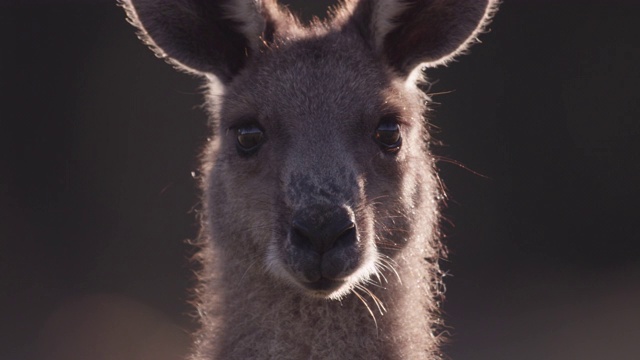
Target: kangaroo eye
x,y
387,135
250,137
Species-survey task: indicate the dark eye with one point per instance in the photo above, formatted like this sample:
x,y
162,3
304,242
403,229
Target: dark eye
x,y
387,134
249,138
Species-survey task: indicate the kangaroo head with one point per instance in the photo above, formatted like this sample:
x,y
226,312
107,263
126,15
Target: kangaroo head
x,y
319,169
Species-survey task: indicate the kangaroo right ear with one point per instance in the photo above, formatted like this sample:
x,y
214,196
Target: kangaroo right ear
x,y
411,34
202,36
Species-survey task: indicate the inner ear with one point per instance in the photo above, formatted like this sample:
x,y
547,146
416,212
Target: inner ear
x,y
408,34
204,36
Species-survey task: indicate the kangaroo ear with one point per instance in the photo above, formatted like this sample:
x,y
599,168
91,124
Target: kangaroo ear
x,y
409,34
201,36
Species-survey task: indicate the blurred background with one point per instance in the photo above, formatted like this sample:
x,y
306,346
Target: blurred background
x,y
98,141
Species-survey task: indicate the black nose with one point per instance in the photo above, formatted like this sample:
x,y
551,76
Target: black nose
x,y
322,229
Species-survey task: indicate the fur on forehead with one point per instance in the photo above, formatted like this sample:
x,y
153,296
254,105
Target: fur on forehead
x,y
327,77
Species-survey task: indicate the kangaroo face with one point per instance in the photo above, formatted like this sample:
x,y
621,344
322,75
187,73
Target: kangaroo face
x,y
315,141
319,171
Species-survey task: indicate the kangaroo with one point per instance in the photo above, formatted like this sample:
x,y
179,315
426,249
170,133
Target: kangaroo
x,y
319,236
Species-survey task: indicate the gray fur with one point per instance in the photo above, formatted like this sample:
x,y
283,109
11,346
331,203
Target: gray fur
x,y
319,93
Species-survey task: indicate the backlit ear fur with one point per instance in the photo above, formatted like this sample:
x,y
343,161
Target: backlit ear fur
x,y
205,36
413,34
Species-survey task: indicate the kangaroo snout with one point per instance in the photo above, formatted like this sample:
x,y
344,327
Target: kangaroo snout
x,y
325,243
320,229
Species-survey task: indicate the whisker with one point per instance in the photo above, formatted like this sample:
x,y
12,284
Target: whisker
x,y
376,300
371,282
388,263
367,306
377,275
247,270
460,165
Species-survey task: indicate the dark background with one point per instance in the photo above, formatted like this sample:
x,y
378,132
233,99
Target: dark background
x,y
98,140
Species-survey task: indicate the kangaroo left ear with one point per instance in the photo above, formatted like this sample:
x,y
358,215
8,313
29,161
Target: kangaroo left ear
x,y
424,32
203,36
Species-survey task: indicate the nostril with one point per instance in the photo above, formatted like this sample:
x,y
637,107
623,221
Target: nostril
x,y
321,232
347,237
300,236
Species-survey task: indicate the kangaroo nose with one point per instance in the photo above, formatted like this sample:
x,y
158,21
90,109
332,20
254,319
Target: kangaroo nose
x,y
322,231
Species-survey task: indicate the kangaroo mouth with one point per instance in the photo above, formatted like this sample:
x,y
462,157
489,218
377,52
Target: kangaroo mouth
x,y
324,275
324,255
324,285
305,272
308,275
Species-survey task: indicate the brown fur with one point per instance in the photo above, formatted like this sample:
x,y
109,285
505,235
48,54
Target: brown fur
x,y
319,94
